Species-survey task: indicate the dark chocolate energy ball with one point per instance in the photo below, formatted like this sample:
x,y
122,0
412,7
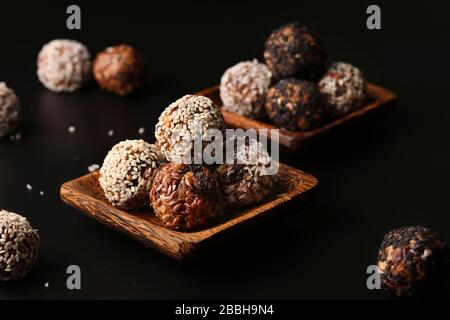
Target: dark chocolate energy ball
x,y
295,105
119,69
293,50
413,262
185,196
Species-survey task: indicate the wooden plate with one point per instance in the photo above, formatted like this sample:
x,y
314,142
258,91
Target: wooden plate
x,y
379,98
85,194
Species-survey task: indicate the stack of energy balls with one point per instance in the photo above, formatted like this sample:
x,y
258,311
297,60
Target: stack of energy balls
x,y
185,193
295,88
65,66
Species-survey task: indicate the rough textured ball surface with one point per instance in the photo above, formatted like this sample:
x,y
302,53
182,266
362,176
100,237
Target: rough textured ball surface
x,y
184,196
295,105
294,50
9,110
64,65
246,181
243,88
119,69
19,245
413,261
185,121
344,87
127,173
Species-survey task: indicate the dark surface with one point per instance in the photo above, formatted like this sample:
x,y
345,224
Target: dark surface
x,y
387,174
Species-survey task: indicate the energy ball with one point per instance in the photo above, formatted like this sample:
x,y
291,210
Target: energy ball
x,y
246,181
243,88
294,50
295,105
185,196
9,110
119,69
344,87
184,124
127,173
64,65
413,262
19,245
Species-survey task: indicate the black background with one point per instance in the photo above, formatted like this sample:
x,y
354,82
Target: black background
x,y
386,174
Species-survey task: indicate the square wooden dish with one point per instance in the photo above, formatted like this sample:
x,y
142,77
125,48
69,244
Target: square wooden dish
x,y
378,99
86,195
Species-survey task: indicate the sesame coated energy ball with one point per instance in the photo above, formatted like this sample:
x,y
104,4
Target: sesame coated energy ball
x,y
243,88
295,105
413,262
186,123
344,87
246,181
19,245
9,110
64,65
127,173
119,70
185,196
294,50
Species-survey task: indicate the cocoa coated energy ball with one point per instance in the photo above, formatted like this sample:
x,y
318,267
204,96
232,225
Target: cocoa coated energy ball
x,y
19,245
119,70
344,87
64,65
184,196
243,88
295,105
9,110
294,50
184,127
127,173
246,181
413,262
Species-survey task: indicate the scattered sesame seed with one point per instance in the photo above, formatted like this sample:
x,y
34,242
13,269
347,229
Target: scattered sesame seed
x,y
29,187
93,167
16,137
71,129
41,193
141,131
47,284
110,133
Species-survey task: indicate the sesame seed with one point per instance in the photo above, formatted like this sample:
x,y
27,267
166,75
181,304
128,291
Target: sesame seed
x,y
71,129
29,187
110,133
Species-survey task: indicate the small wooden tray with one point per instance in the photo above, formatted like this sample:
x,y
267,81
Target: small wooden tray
x,y
85,194
378,99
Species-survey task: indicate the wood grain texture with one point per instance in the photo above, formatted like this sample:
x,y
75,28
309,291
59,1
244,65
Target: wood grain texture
x,y
86,195
379,98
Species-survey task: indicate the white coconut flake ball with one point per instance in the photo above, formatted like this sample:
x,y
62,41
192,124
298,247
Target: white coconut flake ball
x,y
19,245
9,110
64,65
344,87
185,122
243,88
246,181
127,173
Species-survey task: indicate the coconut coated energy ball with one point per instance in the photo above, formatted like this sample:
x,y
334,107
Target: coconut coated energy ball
x,y
293,50
127,172
185,196
413,262
243,88
185,122
344,87
9,110
64,65
295,105
246,181
19,245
